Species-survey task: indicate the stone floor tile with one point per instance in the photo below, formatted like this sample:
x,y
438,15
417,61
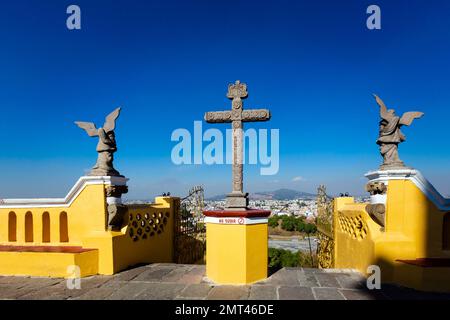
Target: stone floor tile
x,y
198,290
44,288
263,292
295,293
172,281
13,292
17,281
131,273
129,291
327,294
193,275
228,293
100,293
347,281
284,276
327,280
155,274
176,274
307,279
159,291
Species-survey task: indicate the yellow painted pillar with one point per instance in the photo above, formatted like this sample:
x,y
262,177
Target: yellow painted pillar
x,y
20,225
236,246
37,227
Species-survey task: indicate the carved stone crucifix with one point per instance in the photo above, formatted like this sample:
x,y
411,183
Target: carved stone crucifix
x,y
237,199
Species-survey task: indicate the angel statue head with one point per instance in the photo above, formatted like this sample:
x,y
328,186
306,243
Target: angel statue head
x,y
106,144
390,135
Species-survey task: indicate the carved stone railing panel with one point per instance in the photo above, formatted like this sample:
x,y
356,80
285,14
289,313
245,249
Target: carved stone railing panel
x,y
325,255
354,226
144,224
325,248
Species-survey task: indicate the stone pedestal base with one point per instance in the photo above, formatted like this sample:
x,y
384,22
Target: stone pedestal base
x,y
398,165
236,246
105,172
236,201
116,210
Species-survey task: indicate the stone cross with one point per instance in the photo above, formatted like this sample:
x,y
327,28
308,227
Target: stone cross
x,y
237,199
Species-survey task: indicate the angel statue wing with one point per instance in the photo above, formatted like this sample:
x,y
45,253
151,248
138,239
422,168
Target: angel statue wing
x,y
89,127
383,110
408,117
110,121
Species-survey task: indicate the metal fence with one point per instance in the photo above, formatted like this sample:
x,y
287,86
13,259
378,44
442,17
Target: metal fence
x,y
190,231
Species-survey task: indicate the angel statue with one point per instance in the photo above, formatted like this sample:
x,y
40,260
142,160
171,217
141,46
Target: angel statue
x,y
390,135
106,144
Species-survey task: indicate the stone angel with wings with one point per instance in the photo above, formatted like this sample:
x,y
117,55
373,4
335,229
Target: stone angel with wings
x,y
106,144
390,135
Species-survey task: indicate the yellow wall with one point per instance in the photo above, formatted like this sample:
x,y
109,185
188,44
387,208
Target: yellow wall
x,y
52,265
413,229
86,216
157,247
87,228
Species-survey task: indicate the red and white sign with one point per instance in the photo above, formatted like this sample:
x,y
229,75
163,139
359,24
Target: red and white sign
x,y
235,220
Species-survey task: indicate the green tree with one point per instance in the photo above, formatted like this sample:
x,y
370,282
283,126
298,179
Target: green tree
x,y
310,228
273,221
288,223
299,225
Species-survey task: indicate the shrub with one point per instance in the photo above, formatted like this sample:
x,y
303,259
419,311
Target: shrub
x,y
305,260
280,258
289,259
274,258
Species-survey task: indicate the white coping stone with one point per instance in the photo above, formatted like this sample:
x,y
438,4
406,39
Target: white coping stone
x,y
68,199
415,177
378,198
235,220
113,200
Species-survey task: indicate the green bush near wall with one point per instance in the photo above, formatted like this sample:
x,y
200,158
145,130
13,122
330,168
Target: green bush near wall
x,y
280,258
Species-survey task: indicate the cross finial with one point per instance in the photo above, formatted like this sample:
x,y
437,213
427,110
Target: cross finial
x,y
237,90
237,199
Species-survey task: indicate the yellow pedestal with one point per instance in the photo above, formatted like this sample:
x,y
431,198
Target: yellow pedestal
x,y
236,249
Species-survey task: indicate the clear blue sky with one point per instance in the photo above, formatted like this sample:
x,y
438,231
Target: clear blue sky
x,y
313,63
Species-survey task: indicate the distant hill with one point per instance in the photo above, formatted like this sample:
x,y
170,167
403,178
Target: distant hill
x,y
280,194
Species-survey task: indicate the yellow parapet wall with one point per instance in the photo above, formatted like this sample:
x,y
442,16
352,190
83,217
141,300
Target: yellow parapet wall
x,y
411,247
44,237
146,238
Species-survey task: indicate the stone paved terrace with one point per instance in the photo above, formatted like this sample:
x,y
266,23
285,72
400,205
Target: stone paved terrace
x,y
172,281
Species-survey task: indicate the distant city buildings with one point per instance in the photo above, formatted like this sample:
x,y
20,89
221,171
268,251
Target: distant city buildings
x,y
298,207
306,207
